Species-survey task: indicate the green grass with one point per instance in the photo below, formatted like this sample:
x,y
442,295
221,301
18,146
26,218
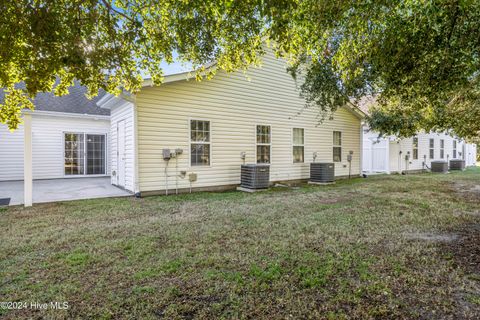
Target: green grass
x,y
381,247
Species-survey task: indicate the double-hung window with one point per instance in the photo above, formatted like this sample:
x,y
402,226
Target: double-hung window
x,y
199,143
454,149
442,148
337,146
264,138
415,148
298,145
432,148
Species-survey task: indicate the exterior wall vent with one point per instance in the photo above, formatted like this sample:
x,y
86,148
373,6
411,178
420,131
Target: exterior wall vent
x,y
322,172
439,166
255,176
457,164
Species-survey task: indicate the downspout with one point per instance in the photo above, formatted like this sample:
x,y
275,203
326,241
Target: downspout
x,y
176,174
166,177
361,148
135,147
400,162
425,162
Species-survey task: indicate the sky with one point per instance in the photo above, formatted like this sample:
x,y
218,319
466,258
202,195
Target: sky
x,y
172,68
175,67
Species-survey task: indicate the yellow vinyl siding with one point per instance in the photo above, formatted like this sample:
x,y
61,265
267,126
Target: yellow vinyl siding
x,y
234,104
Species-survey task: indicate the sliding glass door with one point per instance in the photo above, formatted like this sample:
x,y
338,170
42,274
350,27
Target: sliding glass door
x,y
95,154
85,154
74,154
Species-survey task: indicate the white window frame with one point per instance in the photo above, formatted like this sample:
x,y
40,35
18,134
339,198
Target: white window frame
x,y
431,149
263,144
298,145
195,142
415,147
455,153
337,145
442,148
85,175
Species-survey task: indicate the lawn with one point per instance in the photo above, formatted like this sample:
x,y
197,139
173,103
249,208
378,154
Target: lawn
x,y
381,247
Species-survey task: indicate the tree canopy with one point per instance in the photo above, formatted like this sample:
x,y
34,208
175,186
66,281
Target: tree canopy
x,y
420,58
108,44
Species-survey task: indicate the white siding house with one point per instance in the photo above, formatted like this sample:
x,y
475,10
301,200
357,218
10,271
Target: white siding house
x,y
48,142
70,139
412,154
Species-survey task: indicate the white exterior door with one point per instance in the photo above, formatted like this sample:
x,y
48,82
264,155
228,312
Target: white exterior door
x,y
471,155
395,161
121,153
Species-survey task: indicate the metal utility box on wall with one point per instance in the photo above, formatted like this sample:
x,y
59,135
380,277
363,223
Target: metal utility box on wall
x,y
255,176
439,166
322,172
457,164
166,154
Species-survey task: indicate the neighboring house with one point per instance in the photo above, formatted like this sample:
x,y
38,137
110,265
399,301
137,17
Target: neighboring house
x,y
217,125
70,138
413,154
390,154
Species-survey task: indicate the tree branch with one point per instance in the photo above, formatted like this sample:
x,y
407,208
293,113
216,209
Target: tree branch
x,y
110,8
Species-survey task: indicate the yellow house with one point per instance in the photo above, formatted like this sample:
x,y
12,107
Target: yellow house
x,y
213,127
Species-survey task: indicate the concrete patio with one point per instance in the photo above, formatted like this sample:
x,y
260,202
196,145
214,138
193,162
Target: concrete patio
x,y
62,190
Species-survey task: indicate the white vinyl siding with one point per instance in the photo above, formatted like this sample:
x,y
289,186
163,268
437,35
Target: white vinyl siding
x,y
48,145
407,144
123,112
11,154
235,103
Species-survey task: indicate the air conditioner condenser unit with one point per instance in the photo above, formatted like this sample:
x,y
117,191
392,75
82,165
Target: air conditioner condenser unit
x,y
322,172
254,177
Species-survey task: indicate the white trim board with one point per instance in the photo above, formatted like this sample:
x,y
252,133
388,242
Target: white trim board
x,y
66,114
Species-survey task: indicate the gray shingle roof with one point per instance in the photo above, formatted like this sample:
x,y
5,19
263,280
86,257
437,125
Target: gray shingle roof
x,y
74,102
